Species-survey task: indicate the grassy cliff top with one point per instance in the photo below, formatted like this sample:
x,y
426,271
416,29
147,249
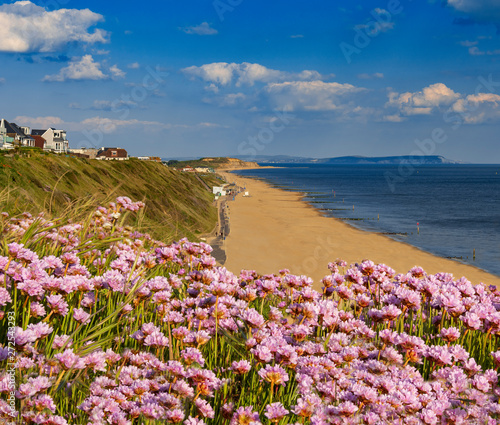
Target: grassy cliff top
x,y
177,204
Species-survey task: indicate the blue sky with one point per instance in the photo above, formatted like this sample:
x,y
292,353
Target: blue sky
x,y
244,77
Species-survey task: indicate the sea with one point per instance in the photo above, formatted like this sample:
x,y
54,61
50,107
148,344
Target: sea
x,y
450,210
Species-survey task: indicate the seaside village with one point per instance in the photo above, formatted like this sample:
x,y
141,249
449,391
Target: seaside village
x,y
54,141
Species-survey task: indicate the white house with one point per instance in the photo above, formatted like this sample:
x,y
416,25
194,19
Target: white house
x,y
219,190
55,140
19,135
204,170
6,142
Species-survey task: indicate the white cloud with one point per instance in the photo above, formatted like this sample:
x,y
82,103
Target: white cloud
x,y
423,102
209,125
219,73
276,89
134,65
297,36
117,105
376,75
223,74
26,27
311,95
484,98
79,69
38,122
479,10
469,109
249,73
2,81
110,125
116,72
474,51
203,29
478,108
476,119
85,68
467,43
233,98
382,23
106,125
308,75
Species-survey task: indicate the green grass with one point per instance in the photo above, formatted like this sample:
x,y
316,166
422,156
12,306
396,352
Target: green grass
x,y
177,204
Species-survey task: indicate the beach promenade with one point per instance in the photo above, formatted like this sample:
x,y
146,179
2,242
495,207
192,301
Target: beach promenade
x,y
273,229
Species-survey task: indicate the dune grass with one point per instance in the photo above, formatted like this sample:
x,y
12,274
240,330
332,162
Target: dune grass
x,y
177,204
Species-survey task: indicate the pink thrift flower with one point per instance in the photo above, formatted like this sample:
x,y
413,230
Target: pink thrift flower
x,y
61,341
192,355
35,385
37,310
450,334
253,318
156,339
241,367
347,409
245,416
276,375
204,408
41,329
4,297
193,421
70,360
275,412
80,315
57,304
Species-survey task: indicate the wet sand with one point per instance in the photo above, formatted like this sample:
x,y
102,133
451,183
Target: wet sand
x,y
273,229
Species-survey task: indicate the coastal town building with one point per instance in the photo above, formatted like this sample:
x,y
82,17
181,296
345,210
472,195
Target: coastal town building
x,y
55,140
20,135
90,153
110,154
39,141
6,142
219,190
204,170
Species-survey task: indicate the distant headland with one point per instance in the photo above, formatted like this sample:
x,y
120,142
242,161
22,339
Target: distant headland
x,y
389,160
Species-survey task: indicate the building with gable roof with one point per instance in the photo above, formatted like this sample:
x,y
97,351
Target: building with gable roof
x,y
20,135
110,154
6,142
55,140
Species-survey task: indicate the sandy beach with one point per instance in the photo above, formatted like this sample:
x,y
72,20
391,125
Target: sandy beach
x,y
274,229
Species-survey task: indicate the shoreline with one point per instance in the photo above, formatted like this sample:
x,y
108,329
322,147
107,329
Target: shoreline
x,y
275,229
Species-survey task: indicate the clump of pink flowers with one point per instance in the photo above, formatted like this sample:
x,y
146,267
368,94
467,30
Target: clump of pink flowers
x,y
113,327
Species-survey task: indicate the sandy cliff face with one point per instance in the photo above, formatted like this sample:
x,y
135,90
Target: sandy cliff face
x,y
230,163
